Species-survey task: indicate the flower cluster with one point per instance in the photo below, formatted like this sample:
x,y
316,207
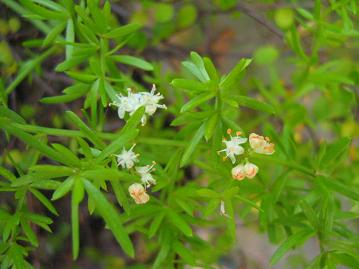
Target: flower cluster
x,y
258,144
133,101
127,159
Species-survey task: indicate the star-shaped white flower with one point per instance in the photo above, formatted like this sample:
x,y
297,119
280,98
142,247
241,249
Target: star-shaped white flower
x,y
233,147
145,173
127,158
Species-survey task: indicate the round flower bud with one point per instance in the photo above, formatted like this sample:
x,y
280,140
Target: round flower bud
x,y
138,193
250,170
238,172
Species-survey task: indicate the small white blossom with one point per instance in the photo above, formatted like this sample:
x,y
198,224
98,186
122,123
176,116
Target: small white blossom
x,y
233,147
261,144
145,173
138,193
127,158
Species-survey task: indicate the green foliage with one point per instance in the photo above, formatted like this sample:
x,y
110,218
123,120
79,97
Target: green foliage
x,y
308,189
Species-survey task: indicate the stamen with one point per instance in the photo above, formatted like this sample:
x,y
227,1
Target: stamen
x,y
153,164
153,89
132,147
229,131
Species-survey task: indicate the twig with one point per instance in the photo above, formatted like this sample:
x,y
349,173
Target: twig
x,y
258,18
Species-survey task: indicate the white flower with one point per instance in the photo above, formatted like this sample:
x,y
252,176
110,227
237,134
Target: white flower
x,y
127,158
250,170
145,173
222,210
261,144
138,193
233,147
133,101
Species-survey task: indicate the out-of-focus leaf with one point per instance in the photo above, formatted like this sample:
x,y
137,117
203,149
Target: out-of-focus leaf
x,y
122,31
156,224
84,129
186,254
192,145
211,125
77,196
190,85
32,141
231,80
254,104
42,198
179,222
295,239
64,188
134,61
53,34
196,101
335,185
111,217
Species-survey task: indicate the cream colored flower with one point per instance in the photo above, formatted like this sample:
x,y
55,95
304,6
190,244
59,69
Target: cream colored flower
x,y
138,193
261,144
238,172
250,170
233,147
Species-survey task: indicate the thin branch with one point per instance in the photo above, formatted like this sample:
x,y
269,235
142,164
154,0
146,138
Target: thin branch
x,y
261,20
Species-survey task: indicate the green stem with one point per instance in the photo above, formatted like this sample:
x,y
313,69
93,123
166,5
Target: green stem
x,y
107,136
288,164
